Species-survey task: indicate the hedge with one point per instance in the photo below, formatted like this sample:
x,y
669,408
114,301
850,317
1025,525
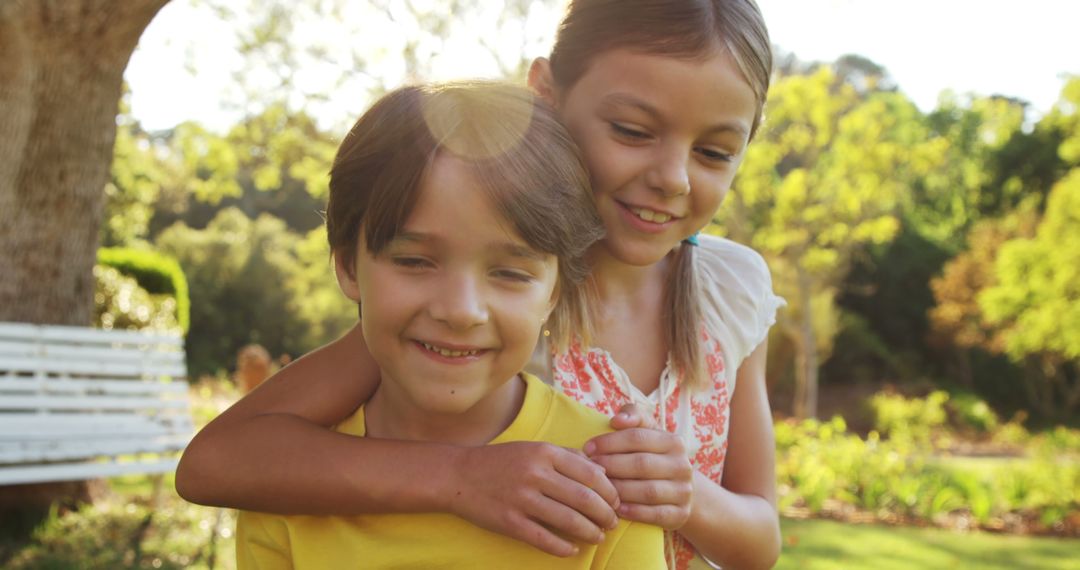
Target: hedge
x,y
155,272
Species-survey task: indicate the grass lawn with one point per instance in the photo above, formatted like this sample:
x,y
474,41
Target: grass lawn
x,y
823,544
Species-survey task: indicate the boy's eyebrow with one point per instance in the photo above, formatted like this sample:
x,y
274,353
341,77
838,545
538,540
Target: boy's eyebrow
x,y
518,250
507,247
613,99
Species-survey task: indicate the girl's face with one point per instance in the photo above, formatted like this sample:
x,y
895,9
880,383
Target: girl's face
x,y
453,306
662,138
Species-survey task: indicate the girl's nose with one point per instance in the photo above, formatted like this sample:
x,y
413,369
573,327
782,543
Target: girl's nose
x,y
459,302
670,173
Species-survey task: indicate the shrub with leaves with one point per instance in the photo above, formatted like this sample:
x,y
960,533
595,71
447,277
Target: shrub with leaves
x,y
119,303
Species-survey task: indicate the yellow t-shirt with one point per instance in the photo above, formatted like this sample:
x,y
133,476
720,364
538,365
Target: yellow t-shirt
x,y
437,540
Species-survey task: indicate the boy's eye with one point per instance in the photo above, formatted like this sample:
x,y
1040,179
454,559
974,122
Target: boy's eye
x,y
410,262
515,275
628,132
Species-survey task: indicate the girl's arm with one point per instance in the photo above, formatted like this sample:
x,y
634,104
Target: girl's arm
x,y
272,451
735,525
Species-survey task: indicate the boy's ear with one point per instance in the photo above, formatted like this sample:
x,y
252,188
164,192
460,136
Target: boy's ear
x,y
346,278
542,82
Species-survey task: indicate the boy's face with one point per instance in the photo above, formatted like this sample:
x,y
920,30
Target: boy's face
x,y
453,306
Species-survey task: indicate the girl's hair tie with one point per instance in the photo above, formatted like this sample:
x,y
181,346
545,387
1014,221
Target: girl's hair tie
x,y
692,240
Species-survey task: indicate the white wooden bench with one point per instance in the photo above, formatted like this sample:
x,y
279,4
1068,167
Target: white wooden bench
x,y
79,403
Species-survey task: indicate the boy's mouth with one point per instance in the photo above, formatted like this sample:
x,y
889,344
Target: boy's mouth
x,y
449,352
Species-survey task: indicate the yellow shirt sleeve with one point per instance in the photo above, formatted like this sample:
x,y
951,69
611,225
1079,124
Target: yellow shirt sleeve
x,y
262,542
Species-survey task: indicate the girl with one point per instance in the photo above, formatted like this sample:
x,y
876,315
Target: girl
x,y
662,96
451,316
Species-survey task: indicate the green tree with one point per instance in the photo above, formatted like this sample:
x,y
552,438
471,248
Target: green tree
x,y
1035,302
824,180
255,281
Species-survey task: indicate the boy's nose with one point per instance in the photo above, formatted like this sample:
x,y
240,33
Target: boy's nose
x,y
460,303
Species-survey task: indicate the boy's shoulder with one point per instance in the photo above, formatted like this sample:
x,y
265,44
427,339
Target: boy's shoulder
x,y
551,416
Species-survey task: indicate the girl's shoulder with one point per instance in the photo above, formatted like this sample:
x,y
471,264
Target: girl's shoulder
x,y
738,302
732,264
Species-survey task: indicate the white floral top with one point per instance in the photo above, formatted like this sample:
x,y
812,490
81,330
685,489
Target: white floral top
x,y
738,308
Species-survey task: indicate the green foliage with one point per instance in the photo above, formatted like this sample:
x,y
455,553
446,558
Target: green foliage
x,y
255,281
141,167
1037,291
158,274
909,419
822,182
120,304
1033,302
130,533
825,469
972,414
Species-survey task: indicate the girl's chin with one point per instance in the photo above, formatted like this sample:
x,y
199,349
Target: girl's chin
x,y
639,252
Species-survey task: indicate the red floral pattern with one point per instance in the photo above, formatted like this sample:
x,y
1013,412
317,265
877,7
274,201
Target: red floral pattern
x,y
701,417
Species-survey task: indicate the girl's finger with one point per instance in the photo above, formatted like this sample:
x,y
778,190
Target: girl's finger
x,y
631,416
645,466
669,517
634,440
654,491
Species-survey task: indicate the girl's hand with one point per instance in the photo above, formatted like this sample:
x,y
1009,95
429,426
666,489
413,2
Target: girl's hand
x,y
541,494
649,468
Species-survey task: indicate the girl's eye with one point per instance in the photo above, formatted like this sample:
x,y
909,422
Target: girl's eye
x,y
714,155
625,131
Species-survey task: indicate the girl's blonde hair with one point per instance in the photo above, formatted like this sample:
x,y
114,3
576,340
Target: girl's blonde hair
x,y
683,29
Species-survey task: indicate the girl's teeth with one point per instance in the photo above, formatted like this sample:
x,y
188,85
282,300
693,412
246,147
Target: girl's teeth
x,y
651,216
447,352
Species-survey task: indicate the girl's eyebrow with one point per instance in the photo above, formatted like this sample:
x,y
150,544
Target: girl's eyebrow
x,y
625,99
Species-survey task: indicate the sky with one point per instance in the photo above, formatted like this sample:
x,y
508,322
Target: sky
x,y
182,68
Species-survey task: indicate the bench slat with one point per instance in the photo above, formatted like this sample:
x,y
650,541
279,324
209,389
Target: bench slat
x,y
32,403
85,386
69,334
12,349
80,471
93,367
65,450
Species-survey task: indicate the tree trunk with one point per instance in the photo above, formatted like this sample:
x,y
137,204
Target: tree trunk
x,y
806,368
61,75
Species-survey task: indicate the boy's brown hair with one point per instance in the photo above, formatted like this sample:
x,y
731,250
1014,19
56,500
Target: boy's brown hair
x,y
513,145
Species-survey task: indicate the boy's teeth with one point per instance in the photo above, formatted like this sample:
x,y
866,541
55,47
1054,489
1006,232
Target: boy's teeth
x,y
650,216
447,352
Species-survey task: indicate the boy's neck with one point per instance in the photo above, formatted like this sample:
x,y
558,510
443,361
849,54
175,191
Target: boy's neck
x,y
391,414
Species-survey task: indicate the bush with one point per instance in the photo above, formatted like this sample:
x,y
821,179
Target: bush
x,y
126,532
913,419
121,304
157,273
823,468
969,412
254,281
